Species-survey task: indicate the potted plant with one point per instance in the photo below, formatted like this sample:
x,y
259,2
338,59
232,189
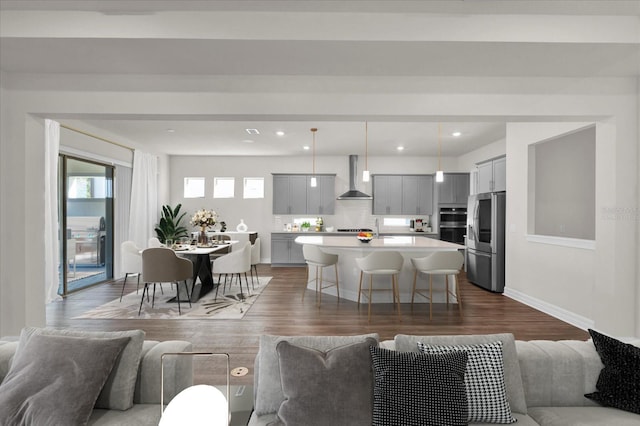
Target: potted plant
x,y
305,226
169,227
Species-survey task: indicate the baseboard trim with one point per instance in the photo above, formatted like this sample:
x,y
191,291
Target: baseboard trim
x,y
550,309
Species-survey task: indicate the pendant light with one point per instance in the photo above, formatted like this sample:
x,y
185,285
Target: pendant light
x,y
439,173
365,172
314,181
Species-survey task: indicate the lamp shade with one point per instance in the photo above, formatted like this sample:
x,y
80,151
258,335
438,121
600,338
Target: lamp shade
x,y
197,405
439,176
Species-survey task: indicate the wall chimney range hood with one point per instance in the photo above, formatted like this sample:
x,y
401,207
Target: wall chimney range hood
x,y
353,193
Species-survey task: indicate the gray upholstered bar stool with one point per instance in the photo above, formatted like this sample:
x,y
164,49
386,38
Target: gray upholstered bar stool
x,y
318,259
447,263
380,263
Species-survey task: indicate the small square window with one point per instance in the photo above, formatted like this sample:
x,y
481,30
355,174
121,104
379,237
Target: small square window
x,y
193,187
223,187
253,187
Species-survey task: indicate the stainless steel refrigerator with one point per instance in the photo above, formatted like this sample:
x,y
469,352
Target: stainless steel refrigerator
x,y
485,240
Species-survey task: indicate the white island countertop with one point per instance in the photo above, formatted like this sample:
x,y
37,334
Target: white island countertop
x,y
396,242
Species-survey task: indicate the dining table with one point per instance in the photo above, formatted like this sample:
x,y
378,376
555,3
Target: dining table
x,y
202,281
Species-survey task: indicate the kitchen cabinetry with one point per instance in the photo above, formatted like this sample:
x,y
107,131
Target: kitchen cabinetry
x,y
285,251
293,194
387,194
403,194
454,190
417,194
492,175
321,199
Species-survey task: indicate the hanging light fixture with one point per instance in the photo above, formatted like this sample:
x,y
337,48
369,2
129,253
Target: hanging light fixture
x,y
439,172
314,182
365,172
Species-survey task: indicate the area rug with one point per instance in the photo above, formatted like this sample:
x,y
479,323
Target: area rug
x,y
228,306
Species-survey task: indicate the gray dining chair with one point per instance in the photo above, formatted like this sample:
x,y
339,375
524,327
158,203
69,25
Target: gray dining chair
x,y
161,265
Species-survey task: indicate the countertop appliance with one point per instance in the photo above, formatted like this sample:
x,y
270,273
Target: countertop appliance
x,y
485,240
453,224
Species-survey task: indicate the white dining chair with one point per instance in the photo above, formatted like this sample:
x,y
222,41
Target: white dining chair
x,y
130,263
154,242
255,259
235,263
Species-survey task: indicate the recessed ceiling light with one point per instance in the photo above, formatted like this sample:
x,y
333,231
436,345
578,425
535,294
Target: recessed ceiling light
x,y
400,148
456,134
252,131
171,130
280,133
306,148
247,141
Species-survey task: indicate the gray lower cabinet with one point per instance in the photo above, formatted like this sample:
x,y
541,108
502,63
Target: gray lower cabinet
x,y
285,251
454,189
293,194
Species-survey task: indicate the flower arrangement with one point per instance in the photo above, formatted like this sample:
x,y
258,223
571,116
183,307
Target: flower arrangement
x,y
204,218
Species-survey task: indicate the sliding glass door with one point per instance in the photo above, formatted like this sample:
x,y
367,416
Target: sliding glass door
x,y
86,223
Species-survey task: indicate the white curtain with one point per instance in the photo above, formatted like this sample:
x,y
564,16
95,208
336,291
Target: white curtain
x,y
143,214
122,200
51,228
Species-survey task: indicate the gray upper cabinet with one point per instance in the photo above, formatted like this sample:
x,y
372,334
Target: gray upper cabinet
x,y
492,175
292,194
454,190
321,199
402,194
387,194
417,194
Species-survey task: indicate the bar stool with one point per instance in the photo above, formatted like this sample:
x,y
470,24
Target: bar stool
x,y
380,263
317,258
439,263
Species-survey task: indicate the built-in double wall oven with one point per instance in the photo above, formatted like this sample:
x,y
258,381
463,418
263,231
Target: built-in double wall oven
x,y
453,224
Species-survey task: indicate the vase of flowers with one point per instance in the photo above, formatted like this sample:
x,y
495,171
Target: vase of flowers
x,y
204,219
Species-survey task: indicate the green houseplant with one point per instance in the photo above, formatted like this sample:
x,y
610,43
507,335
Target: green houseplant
x,y
169,227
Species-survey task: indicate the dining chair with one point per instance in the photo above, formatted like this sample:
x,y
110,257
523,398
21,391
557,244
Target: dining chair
x,y
130,263
255,259
162,265
318,259
235,263
154,242
443,263
380,263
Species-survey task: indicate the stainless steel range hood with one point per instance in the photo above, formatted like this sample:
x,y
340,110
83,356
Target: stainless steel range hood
x,y
353,193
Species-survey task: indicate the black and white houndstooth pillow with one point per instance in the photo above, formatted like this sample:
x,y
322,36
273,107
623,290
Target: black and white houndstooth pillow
x,y
411,388
484,380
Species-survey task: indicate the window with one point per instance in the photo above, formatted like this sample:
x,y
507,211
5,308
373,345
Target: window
x,y
394,221
194,187
253,187
223,187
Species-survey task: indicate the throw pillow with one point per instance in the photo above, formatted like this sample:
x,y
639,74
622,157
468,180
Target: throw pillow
x,y
325,388
512,373
117,393
55,380
483,379
618,385
267,369
411,388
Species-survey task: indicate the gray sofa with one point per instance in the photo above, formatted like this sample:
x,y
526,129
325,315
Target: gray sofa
x,y
545,380
144,369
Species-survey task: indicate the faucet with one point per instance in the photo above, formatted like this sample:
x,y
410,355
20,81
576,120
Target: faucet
x,y
377,228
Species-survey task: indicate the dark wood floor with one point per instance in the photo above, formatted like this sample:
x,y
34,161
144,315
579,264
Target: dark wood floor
x,y
280,311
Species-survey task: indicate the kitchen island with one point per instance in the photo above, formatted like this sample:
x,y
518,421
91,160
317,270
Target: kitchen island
x,y
348,248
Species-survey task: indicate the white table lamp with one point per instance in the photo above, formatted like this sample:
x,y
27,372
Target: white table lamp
x,y
197,405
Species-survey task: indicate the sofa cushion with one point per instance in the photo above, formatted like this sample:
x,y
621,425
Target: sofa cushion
x,y
267,386
513,380
619,381
118,391
333,387
56,379
418,389
483,379
584,416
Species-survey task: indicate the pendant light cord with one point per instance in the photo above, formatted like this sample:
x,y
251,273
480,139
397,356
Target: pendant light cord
x,y
313,152
366,145
439,145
